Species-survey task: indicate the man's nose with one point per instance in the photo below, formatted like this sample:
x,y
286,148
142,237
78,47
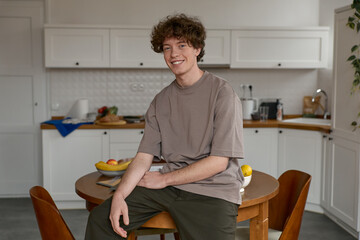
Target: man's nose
x,y
174,52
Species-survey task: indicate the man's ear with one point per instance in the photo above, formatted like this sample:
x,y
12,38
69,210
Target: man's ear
x,y
197,51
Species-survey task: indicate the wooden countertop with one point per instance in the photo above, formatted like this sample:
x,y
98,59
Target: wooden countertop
x,y
247,124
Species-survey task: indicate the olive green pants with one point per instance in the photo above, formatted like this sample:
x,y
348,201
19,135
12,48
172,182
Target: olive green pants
x,y
197,217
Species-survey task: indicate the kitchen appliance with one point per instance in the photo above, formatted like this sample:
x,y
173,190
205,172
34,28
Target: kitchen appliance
x,y
249,105
272,104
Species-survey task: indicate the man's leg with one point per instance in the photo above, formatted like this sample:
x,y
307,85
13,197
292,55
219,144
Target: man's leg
x,y
142,203
200,217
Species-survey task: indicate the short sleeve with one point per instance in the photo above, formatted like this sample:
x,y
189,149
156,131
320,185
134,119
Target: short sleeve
x,y
151,140
228,124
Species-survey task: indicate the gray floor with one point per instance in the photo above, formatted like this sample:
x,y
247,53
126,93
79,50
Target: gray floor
x,y
18,222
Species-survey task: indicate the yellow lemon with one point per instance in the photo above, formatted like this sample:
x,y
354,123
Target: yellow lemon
x,y
246,170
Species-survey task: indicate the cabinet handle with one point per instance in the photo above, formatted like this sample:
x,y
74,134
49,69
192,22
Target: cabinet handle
x,y
330,138
141,132
105,133
324,136
141,64
256,131
279,64
280,131
77,63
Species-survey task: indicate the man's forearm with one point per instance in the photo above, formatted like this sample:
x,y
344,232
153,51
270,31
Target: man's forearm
x,y
136,170
197,171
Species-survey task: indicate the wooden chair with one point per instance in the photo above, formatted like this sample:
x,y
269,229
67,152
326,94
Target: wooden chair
x,y
51,223
158,224
286,209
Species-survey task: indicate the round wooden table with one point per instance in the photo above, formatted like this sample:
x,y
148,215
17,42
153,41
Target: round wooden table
x,y
255,199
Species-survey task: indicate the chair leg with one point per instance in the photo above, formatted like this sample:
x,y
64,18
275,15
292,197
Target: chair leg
x,y
132,236
176,236
162,236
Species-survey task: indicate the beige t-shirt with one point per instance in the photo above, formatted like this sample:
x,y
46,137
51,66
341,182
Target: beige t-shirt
x,y
184,125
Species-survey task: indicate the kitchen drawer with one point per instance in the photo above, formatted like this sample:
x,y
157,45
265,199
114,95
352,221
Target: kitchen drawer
x,y
126,135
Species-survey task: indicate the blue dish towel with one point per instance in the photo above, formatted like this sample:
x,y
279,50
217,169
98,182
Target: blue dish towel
x,y
65,128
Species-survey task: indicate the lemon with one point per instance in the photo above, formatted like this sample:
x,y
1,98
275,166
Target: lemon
x,y
246,170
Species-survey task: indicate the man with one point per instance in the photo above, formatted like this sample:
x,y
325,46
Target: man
x,y
195,124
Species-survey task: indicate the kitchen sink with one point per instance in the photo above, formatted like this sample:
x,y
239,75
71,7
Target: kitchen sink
x,y
317,121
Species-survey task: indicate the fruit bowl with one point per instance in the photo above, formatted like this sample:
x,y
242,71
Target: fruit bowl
x,y
246,182
111,173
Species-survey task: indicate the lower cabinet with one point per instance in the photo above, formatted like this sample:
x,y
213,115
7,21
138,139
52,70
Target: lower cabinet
x,y
124,143
341,198
302,150
65,159
260,146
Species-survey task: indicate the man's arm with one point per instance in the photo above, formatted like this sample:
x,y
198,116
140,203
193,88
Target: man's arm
x,y
197,171
136,170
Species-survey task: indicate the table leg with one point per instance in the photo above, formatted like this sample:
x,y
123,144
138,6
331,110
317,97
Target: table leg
x,y
259,225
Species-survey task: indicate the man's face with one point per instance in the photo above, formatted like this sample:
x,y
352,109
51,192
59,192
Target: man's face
x,y
180,56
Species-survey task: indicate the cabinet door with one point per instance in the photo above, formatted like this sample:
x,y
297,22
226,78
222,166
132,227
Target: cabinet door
x,y
124,143
131,48
217,48
22,96
76,47
279,48
325,171
67,159
260,149
346,105
344,180
301,150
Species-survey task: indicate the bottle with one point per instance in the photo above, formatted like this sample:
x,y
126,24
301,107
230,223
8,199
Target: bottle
x,y
279,112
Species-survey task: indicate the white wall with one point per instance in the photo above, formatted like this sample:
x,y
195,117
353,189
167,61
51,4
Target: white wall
x,y
289,85
211,12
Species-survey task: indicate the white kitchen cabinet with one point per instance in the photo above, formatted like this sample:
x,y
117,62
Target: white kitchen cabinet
x,y
77,47
344,181
124,143
217,48
22,96
260,149
325,171
131,48
65,159
343,195
279,48
302,150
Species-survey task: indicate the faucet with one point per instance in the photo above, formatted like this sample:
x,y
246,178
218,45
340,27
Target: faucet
x,y
318,91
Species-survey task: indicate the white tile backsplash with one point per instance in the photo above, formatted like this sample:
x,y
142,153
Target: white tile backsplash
x,y
132,90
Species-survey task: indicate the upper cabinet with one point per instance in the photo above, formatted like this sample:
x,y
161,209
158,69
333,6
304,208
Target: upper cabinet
x,y
279,48
76,47
131,48
120,47
217,48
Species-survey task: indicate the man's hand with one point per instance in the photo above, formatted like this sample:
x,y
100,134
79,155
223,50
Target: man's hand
x,y
153,180
118,208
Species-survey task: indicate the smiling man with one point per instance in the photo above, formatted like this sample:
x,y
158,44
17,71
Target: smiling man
x,y
195,125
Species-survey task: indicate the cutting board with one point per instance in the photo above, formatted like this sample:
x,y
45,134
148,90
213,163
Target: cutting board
x,y
121,122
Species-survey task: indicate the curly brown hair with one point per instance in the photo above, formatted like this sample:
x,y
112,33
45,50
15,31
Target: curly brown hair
x,y
179,26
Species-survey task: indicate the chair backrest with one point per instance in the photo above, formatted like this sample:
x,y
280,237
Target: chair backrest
x,y
51,223
286,209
